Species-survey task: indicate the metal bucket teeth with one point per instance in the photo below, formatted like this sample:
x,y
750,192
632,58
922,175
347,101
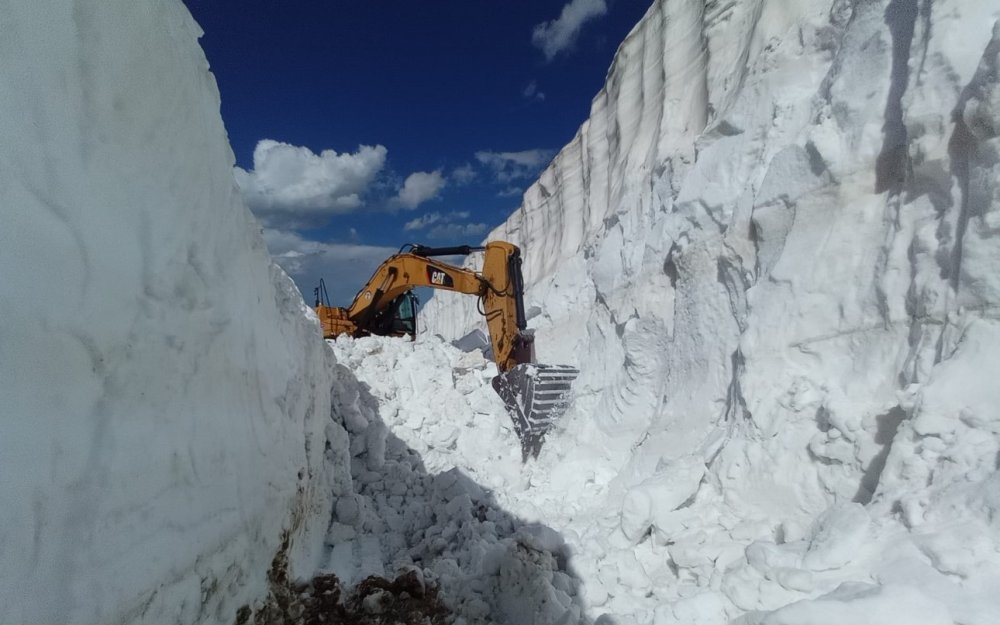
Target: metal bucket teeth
x,y
536,396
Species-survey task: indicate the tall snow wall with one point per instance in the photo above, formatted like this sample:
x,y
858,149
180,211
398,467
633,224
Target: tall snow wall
x,y
162,394
773,250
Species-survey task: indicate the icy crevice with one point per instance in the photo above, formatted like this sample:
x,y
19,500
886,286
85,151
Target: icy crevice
x,y
892,163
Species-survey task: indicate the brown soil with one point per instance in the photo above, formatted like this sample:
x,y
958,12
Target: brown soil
x,y
323,601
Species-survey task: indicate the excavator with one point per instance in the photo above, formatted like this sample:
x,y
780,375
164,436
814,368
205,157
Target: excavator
x,y
535,394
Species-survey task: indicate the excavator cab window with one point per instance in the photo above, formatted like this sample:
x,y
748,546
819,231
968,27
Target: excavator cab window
x,y
399,318
406,313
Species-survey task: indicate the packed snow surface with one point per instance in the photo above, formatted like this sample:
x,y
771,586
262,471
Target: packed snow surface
x,y
163,396
773,251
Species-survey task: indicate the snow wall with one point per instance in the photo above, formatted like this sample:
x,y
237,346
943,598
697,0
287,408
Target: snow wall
x,y
162,393
773,250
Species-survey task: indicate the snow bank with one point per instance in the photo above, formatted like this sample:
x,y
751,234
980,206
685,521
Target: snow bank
x,y
163,395
773,250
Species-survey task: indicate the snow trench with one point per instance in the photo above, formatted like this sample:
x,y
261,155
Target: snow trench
x,y
772,251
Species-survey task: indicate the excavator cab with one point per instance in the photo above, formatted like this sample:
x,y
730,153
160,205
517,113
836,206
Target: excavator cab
x,y
535,394
399,318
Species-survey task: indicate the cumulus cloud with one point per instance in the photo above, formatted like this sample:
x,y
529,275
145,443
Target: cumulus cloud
x,y
509,166
560,34
418,188
345,267
290,183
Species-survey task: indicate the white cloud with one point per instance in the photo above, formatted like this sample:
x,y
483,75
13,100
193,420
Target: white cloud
x,y
418,188
345,267
508,166
289,183
422,222
463,175
432,218
560,34
531,92
457,231
447,226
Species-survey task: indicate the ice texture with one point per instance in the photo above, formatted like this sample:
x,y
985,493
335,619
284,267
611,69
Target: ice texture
x,y
163,396
773,251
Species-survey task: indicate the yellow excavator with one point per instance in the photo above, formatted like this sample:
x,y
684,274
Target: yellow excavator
x,y
535,394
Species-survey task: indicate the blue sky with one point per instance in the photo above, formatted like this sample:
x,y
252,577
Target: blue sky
x,y
360,126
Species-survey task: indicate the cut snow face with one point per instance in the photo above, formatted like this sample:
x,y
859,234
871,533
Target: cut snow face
x,y
771,250
163,395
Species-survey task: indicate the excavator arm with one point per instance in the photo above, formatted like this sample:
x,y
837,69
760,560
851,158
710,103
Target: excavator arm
x,y
498,287
534,394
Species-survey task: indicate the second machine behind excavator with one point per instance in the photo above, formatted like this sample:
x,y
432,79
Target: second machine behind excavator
x,y
535,394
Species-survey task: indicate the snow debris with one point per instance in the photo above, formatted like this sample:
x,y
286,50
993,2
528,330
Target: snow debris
x,y
422,409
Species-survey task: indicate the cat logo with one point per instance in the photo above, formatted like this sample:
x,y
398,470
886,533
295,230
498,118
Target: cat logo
x,y
436,277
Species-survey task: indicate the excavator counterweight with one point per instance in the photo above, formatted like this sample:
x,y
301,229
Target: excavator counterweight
x,y
535,395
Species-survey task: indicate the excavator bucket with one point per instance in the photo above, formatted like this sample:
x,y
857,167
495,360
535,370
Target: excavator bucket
x,y
536,396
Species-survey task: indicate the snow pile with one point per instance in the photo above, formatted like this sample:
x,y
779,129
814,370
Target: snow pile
x,y
773,251
163,396
403,504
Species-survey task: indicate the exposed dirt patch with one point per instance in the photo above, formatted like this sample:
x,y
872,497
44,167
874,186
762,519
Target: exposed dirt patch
x,y
406,599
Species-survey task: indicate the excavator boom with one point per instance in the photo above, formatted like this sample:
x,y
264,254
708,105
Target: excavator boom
x,y
534,394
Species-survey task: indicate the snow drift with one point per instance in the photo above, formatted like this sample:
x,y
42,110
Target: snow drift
x,y
774,252
163,396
